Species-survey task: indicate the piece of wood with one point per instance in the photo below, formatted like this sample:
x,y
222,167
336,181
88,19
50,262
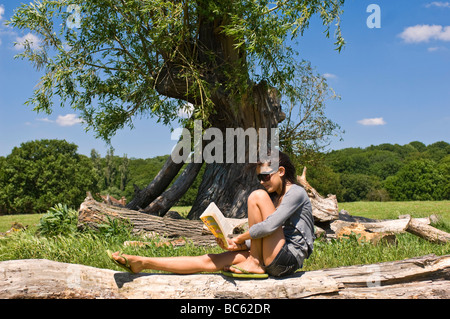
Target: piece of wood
x,y
93,213
40,278
429,267
390,226
430,233
363,234
323,209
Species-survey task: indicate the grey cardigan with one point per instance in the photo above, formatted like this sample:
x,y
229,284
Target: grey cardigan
x,y
294,214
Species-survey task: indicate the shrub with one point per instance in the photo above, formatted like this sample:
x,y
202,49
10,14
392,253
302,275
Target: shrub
x,y
58,220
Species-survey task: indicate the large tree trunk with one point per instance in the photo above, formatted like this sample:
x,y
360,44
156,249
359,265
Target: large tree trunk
x,y
226,184
422,277
229,184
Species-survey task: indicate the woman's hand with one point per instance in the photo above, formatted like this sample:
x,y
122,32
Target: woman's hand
x,y
234,244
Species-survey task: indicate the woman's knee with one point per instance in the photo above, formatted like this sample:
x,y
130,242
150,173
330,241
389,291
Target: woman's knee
x,y
257,196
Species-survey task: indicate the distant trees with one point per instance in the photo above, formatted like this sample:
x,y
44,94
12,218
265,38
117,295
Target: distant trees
x,y
420,179
112,172
385,172
39,174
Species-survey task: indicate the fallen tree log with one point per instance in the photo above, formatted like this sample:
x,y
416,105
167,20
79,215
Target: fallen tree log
x,y
385,226
92,213
323,209
422,277
375,230
427,232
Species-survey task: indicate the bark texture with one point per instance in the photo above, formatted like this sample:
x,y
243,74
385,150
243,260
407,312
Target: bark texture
x,y
422,277
93,213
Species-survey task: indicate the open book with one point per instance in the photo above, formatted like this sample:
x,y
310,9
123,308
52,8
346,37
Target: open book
x,y
217,223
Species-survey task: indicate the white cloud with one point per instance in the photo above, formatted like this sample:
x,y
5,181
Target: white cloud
x,y
68,120
30,38
329,76
438,4
373,121
432,49
45,119
425,33
2,11
63,120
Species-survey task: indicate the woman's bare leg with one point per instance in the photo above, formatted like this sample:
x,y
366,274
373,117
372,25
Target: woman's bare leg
x,y
184,264
262,250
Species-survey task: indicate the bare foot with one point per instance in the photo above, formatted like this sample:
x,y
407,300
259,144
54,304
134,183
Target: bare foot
x,y
133,261
250,265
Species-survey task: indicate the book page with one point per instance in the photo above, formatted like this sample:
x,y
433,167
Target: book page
x,y
217,223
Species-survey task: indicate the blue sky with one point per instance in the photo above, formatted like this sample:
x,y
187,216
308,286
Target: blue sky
x,y
394,83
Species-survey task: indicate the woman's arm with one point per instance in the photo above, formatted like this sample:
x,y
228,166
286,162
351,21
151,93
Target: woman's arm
x,y
288,206
242,238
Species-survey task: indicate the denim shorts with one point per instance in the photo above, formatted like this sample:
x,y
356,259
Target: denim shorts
x,y
284,264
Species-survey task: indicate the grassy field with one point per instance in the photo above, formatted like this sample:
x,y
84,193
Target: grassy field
x,y
391,210
88,248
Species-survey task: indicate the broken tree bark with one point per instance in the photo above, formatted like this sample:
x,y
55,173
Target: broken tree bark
x,y
324,209
421,277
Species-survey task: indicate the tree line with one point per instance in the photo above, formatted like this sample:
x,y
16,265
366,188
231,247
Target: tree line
x,y
385,172
38,174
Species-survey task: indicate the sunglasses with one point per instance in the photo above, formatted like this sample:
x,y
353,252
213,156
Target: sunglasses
x,y
265,177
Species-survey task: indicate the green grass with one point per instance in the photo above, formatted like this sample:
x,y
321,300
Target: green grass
x,y
391,210
29,220
89,248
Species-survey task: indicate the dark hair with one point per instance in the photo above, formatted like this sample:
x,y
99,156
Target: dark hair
x,y
290,174
289,168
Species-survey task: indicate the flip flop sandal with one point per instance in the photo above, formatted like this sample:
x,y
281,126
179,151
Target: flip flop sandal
x,y
125,266
245,274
